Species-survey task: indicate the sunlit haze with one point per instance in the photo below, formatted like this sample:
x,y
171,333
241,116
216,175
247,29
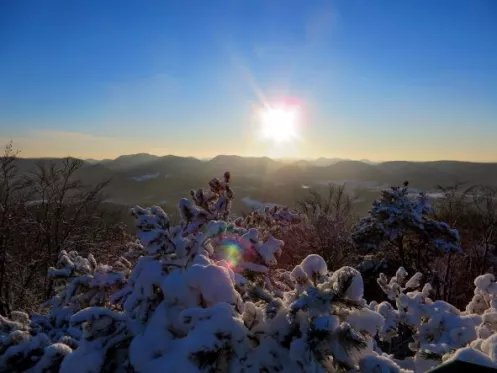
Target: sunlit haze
x,y
381,80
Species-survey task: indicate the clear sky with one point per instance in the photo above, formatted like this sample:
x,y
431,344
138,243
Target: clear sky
x,y
382,79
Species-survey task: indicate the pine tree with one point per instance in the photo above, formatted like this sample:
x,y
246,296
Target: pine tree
x,y
402,224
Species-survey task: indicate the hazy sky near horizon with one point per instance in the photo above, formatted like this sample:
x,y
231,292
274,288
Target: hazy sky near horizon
x,y
383,79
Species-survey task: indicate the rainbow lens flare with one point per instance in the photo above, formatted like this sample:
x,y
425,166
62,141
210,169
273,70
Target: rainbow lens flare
x,y
232,250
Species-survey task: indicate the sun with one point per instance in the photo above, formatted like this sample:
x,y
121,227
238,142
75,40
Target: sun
x,y
279,124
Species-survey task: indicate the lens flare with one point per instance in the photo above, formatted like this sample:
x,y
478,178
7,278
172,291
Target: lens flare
x,y
232,251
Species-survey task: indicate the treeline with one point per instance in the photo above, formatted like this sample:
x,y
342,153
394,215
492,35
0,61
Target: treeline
x,y
43,211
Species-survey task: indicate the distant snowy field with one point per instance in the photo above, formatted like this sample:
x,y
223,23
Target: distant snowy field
x,y
146,177
257,205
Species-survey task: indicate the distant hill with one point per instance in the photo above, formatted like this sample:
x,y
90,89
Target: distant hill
x,y
367,161
148,179
247,166
357,170
129,161
323,162
95,161
167,166
426,174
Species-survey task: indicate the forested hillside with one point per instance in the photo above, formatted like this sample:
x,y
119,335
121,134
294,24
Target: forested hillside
x,y
152,180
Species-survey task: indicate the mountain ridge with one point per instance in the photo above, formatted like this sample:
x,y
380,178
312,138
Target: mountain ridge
x,y
152,180
338,168
143,166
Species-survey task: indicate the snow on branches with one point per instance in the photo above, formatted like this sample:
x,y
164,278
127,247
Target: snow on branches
x,y
83,287
206,296
402,222
440,330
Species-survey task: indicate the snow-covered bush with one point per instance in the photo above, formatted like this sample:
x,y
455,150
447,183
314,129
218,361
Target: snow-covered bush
x,y
206,296
439,330
403,224
83,285
270,221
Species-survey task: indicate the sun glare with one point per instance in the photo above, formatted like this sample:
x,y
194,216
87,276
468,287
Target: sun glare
x,y
279,124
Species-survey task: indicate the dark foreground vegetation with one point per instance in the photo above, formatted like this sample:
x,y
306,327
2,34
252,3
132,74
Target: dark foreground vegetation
x,y
43,212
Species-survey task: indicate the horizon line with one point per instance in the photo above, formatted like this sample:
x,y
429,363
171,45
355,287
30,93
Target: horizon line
x,y
278,159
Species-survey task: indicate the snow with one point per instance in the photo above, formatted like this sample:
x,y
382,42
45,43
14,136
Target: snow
x,y
348,281
257,205
54,352
376,363
397,215
200,279
94,313
483,282
269,250
22,346
470,355
366,320
414,281
254,267
207,295
145,177
314,266
84,360
326,323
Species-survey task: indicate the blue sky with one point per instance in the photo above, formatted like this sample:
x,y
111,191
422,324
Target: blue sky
x,y
383,79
